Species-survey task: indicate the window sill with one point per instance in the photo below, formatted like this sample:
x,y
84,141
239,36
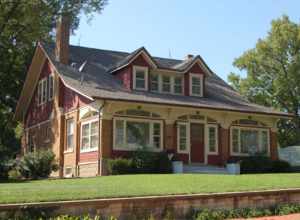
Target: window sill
x,y
89,150
135,149
68,151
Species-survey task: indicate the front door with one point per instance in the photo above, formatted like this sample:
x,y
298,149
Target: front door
x,y
197,143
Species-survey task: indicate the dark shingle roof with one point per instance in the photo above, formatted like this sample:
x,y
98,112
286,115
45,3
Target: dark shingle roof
x,y
96,81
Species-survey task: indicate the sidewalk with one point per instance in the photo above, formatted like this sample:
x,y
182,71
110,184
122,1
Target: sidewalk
x,y
284,217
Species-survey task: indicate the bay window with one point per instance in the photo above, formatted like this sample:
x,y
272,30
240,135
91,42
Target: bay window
x,y
196,84
249,141
131,134
212,138
89,136
182,137
140,78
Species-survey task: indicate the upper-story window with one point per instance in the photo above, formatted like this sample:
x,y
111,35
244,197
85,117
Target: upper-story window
x,y
154,83
45,89
166,84
178,85
140,78
196,84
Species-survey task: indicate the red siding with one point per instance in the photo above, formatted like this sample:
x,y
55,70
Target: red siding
x,y
194,69
35,113
71,99
125,74
88,157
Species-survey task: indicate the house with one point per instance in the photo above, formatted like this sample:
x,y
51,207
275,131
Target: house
x,y
89,104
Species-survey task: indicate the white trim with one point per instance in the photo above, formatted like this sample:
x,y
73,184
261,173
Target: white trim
x,y
200,77
132,148
172,84
87,163
38,125
145,70
70,149
216,152
90,127
239,141
201,63
188,137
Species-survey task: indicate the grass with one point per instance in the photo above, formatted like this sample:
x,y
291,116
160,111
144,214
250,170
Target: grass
x,y
140,185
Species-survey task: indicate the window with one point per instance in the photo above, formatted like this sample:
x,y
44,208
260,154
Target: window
x,y
89,136
51,87
130,134
70,135
182,138
40,89
177,85
44,90
196,84
140,75
212,139
248,141
154,83
166,84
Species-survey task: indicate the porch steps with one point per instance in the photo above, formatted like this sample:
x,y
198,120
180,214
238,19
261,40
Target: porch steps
x,y
205,169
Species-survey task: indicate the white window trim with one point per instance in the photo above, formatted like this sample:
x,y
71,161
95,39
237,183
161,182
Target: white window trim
x,y
40,92
173,85
89,149
51,76
248,128
46,89
158,81
130,148
216,152
187,150
74,124
141,68
195,75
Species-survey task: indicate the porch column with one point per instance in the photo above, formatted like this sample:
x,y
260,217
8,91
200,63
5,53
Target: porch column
x,y
170,135
224,144
273,144
106,140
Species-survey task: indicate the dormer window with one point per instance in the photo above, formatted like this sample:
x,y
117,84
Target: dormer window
x,y
154,83
140,78
196,84
178,85
166,84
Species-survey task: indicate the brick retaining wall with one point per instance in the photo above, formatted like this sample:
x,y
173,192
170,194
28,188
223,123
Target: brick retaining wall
x,y
179,205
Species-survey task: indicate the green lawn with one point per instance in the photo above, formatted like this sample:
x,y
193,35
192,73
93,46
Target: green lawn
x,y
140,185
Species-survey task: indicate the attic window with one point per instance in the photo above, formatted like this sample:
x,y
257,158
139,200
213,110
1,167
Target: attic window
x,y
140,78
196,84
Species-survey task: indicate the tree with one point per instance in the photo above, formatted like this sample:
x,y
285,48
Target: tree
x,y
22,24
273,75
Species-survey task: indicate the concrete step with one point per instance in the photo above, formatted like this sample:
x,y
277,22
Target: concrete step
x,y
204,169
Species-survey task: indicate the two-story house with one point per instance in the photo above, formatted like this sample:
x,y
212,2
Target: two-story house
x,y
89,104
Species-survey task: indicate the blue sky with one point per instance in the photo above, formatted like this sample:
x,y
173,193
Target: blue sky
x,y
218,30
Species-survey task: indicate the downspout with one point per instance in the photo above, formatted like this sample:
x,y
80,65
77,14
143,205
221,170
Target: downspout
x,y
100,140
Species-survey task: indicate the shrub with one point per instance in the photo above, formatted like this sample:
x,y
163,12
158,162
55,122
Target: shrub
x,y
163,163
4,168
37,165
256,164
280,166
120,166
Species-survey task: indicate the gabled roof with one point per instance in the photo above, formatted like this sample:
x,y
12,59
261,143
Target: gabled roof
x,y
96,81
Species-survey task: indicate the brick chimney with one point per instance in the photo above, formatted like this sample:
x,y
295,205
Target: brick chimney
x,y
189,56
62,39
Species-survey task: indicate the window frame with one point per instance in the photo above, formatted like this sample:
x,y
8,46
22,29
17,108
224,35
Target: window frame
x,y
158,83
89,149
200,77
187,150
44,82
259,130
51,82
67,149
145,70
173,85
207,139
170,83
129,147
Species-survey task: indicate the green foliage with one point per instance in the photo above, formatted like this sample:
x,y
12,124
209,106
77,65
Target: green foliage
x,y
141,162
120,166
273,75
38,164
256,164
22,24
262,164
280,166
4,168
